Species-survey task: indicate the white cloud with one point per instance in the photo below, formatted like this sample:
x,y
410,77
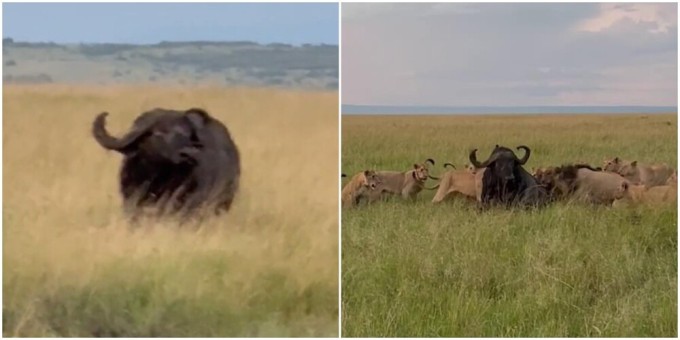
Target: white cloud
x,y
506,54
662,17
387,11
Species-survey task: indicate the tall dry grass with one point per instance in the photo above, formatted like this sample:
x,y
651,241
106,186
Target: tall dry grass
x,y
72,266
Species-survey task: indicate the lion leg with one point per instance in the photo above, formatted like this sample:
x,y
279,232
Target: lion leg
x,y
406,194
374,196
347,203
441,195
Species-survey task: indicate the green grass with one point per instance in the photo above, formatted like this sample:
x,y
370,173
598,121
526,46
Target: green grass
x,y
414,269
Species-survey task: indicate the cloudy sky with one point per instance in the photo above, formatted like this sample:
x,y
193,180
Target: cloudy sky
x,y
509,54
143,23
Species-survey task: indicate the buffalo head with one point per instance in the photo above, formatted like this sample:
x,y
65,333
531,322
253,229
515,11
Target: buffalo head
x,y
502,161
505,180
169,137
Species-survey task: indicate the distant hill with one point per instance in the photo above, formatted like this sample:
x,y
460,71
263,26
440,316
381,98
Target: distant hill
x,y
369,109
231,63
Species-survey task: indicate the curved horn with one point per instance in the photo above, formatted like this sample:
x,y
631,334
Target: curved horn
x,y
473,160
112,143
449,164
527,153
430,160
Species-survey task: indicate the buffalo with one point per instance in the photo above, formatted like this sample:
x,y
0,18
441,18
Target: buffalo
x,y
181,162
505,181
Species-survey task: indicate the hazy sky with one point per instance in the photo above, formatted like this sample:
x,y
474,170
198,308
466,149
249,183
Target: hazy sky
x,y
509,54
294,23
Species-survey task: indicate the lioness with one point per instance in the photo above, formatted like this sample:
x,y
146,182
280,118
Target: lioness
x,y
405,183
466,183
455,182
599,187
612,165
468,167
358,187
673,180
639,194
649,175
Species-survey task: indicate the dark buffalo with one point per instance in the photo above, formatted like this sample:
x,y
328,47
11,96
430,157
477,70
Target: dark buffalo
x,y
178,161
506,182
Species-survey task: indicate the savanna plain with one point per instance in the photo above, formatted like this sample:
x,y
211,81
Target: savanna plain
x,y
568,270
73,266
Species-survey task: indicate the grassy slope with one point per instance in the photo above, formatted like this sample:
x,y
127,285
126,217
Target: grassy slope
x,y
313,67
414,269
72,267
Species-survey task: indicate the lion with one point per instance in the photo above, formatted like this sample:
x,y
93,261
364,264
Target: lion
x,y
358,187
639,194
407,184
649,175
599,187
468,167
673,179
459,182
560,181
466,183
612,165
582,182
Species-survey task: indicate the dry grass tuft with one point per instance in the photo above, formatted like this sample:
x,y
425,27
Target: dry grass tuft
x,y
73,267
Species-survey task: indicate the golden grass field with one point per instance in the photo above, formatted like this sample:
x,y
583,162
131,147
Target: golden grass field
x,y
73,267
414,269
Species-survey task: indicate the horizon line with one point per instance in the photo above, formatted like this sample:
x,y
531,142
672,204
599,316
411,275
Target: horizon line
x,y
504,106
349,109
167,41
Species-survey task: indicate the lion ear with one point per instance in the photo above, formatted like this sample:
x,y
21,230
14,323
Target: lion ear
x,y
616,159
415,166
367,172
633,163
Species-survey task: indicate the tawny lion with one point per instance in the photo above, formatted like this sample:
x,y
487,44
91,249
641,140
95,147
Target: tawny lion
x,y
407,184
649,175
359,187
459,182
639,194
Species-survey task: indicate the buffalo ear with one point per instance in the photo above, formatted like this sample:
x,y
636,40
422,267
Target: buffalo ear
x,y
196,119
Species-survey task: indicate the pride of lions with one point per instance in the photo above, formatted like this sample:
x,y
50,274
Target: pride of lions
x,y
618,183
